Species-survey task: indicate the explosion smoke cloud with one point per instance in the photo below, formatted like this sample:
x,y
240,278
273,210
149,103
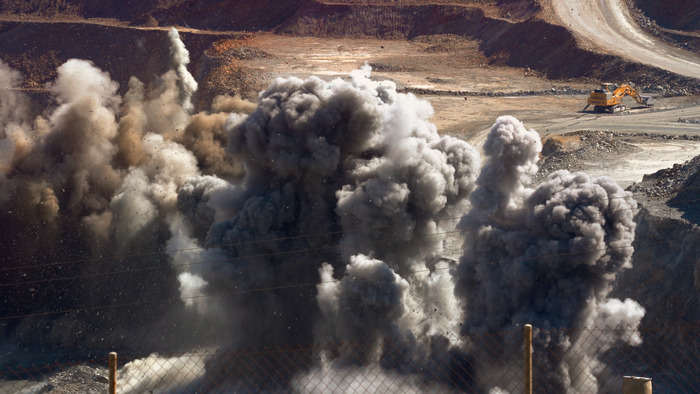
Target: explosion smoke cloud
x,y
345,184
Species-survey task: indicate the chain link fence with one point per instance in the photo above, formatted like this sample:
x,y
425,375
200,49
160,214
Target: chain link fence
x,y
589,361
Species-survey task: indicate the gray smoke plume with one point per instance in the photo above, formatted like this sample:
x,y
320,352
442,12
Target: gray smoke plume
x,y
322,157
547,256
365,305
353,177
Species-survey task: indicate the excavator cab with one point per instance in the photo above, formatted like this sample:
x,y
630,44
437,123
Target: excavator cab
x,y
602,97
607,87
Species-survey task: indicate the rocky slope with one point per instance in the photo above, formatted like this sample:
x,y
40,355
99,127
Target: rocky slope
x,y
677,14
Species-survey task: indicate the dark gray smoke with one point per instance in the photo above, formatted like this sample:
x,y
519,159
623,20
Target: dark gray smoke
x,y
351,158
353,177
547,256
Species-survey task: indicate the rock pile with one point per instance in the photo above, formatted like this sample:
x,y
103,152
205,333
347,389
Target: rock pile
x,y
669,182
571,151
80,379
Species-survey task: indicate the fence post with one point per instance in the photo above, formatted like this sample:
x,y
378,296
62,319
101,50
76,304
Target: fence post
x,y
528,359
636,385
112,373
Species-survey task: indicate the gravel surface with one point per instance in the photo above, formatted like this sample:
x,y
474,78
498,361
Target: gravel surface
x,y
79,379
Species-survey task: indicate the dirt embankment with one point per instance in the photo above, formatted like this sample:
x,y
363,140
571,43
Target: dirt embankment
x,y
37,49
220,72
676,15
201,14
546,48
675,22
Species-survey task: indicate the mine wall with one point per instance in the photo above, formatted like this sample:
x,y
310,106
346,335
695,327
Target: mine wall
x,y
121,52
677,14
544,47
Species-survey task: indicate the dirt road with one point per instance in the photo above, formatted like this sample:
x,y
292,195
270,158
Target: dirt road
x,y
655,122
652,154
608,26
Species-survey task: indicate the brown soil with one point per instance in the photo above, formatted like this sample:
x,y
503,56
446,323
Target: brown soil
x,y
220,70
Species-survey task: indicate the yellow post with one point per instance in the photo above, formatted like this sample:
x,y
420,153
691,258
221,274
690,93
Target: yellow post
x,y
528,359
112,373
636,385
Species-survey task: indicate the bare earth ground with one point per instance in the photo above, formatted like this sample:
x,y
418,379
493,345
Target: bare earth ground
x,y
461,87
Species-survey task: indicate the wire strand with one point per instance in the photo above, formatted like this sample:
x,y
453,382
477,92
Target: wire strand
x,y
297,251
339,232
296,285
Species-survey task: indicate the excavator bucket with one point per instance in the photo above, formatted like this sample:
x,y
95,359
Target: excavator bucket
x,y
647,100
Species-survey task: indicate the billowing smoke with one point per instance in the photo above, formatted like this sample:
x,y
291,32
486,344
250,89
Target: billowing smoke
x,y
342,178
321,214
90,191
547,256
365,305
328,163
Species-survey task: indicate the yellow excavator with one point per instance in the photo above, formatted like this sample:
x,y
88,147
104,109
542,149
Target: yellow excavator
x,y
609,98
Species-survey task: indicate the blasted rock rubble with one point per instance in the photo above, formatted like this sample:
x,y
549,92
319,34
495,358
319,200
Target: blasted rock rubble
x,y
602,145
667,183
607,145
80,379
587,146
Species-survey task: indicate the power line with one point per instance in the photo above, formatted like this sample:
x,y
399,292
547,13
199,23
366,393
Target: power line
x,y
297,285
138,270
286,238
298,251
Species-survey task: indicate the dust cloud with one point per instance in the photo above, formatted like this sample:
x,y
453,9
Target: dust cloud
x,y
319,214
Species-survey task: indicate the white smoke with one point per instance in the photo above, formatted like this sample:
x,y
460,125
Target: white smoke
x,y
156,373
179,59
